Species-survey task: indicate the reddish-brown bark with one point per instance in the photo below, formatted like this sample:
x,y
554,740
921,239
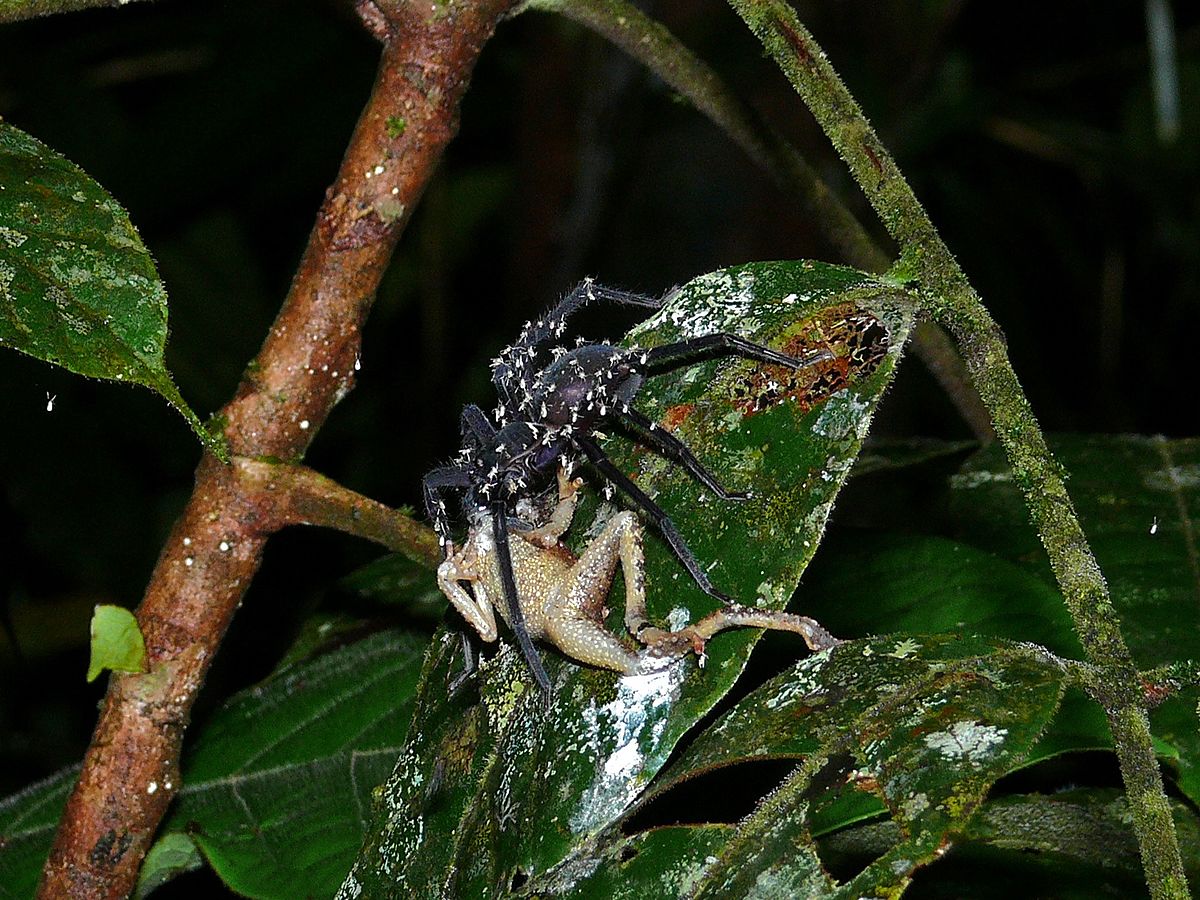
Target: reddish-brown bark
x,y
307,363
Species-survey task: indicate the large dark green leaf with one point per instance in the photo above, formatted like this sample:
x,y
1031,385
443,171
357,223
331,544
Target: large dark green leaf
x,y
77,286
1139,500
924,723
491,792
278,784
27,823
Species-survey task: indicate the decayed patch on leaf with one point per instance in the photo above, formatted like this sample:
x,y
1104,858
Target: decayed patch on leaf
x,y
858,341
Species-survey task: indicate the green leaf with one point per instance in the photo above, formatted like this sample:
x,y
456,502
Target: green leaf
x,y
169,856
77,286
662,862
117,642
277,785
28,820
926,724
494,785
396,579
1138,499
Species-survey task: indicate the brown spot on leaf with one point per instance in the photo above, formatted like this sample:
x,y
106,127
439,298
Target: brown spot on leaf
x,y
858,341
677,415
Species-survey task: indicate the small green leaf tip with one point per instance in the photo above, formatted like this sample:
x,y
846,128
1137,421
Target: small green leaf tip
x,y
117,642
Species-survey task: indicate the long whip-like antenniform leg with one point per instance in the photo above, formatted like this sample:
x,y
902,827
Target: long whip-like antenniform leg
x,y
665,526
672,356
516,619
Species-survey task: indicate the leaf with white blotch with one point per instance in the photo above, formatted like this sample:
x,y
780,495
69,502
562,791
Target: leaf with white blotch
x,y
924,723
513,787
77,286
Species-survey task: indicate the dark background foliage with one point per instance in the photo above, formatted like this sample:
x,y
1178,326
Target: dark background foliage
x,y
1027,129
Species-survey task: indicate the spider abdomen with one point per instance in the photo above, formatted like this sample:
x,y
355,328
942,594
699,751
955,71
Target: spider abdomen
x,y
584,385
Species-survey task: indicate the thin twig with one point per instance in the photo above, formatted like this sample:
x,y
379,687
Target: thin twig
x,y
303,496
654,46
952,300
131,770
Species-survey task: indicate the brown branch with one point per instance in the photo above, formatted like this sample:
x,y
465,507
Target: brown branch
x,y
131,770
305,497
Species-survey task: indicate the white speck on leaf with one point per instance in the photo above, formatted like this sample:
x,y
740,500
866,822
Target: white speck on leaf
x,y
967,740
621,724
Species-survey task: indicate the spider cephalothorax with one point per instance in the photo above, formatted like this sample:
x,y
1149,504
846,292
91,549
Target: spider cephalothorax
x,y
553,401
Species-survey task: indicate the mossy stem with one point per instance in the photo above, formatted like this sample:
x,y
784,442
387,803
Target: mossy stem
x,y
18,10
949,297
655,47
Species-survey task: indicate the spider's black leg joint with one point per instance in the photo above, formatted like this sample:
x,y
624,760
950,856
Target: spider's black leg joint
x,y
432,485
653,434
587,291
672,356
661,519
516,618
469,666
475,424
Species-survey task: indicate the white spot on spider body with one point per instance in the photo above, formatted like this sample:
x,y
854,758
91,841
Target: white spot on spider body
x,y
223,546
189,561
304,423
187,542
152,787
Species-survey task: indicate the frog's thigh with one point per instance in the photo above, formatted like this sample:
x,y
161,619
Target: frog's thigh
x,y
583,639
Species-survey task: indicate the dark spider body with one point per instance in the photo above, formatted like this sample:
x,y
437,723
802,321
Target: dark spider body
x,y
550,414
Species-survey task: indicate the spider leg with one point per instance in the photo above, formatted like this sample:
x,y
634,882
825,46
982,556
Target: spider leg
x,y
516,618
653,435
515,367
475,424
672,356
656,512
433,484
470,666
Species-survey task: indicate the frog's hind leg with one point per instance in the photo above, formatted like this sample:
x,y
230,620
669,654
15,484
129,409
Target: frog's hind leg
x,y
694,637
575,621
583,639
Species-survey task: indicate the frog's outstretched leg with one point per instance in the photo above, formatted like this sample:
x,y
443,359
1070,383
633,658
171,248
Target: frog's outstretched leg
x,y
668,644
